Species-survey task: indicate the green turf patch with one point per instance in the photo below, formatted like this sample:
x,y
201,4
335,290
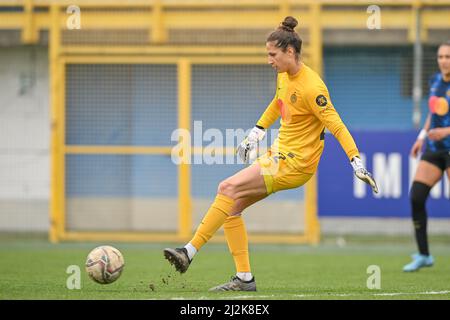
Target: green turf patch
x,y
38,270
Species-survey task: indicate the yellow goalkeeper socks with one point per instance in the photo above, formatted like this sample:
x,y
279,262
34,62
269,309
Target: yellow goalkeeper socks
x,y
213,220
236,235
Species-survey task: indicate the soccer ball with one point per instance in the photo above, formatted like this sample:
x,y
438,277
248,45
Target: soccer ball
x,y
104,264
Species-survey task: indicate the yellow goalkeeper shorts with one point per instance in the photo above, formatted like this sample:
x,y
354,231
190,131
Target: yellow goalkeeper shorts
x,y
279,174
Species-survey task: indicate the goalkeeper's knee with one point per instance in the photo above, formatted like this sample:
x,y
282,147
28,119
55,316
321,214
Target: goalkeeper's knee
x,y
227,189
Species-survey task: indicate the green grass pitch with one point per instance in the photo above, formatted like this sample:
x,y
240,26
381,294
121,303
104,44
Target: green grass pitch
x,y
35,269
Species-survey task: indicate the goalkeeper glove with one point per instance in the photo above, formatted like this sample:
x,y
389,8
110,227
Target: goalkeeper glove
x,y
363,174
247,149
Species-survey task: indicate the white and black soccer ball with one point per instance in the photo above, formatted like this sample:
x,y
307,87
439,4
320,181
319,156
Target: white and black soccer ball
x,y
104,264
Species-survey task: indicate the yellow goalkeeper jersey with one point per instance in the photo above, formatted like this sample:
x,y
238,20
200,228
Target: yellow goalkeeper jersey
x,y
305,107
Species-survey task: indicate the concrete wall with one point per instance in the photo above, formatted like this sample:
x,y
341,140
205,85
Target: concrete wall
x,y
24,139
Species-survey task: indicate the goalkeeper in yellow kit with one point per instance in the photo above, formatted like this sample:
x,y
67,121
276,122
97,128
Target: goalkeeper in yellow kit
x,y
303,103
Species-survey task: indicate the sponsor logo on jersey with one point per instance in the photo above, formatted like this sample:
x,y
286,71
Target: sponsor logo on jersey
x,y
284,110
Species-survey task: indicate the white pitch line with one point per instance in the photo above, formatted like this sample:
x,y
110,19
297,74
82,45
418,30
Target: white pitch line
x,y
247,297
402,293
373,294
319,295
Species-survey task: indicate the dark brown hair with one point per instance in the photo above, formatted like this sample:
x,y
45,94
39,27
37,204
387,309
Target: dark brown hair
x,y
285,36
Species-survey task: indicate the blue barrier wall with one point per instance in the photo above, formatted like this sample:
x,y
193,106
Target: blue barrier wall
x,y
387,156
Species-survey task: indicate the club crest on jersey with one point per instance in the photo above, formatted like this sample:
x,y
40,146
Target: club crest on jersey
x,y
321,100
293,98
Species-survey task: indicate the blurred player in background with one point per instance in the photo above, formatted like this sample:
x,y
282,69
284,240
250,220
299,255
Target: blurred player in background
x,y
303,102
436,158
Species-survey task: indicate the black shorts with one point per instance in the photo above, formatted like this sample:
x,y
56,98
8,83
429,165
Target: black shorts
x,y
440,159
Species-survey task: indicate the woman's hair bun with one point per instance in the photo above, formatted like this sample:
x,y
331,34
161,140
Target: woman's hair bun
x,y
289,23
